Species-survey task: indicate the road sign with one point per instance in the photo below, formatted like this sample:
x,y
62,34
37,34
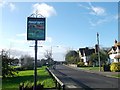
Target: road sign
x,y
35,28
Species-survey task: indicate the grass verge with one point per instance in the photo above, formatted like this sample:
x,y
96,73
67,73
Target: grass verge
x,y
117,75
90,68
43,76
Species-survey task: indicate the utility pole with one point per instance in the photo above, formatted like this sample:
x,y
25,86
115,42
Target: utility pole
x,y
51,52
98,51
51,56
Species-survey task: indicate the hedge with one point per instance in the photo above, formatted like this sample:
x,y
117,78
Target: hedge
x,y
80,64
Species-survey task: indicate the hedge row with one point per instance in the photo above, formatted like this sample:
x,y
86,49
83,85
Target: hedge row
x,y
114,67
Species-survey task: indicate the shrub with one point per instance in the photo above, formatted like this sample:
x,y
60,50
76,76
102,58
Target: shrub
x,y
30,85
115,67
80,64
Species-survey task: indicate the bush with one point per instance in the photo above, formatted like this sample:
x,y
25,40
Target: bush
x,y
115,67
80,64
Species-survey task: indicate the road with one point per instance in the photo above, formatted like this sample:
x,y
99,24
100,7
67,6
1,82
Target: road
x,y
75,78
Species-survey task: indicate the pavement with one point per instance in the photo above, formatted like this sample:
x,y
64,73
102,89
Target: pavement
x,y
106,73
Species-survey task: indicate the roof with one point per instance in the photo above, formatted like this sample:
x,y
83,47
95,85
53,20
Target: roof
x,y
117,56
87,51
117,44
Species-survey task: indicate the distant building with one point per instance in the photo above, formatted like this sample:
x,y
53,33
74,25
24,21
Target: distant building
x,y
85,53
114,52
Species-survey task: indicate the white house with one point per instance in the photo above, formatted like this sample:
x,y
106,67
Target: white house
x,y
114,52
84,54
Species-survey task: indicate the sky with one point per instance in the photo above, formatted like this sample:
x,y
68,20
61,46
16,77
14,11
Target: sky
x,y
69,25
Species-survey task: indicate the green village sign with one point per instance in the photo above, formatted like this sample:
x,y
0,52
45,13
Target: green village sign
x,y
36,31
35,28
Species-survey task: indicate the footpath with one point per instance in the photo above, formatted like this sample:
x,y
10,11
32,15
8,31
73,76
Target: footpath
x,y
104,73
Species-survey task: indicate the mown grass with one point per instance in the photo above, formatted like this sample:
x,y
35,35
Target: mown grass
x,y
117,75
90,68
12,83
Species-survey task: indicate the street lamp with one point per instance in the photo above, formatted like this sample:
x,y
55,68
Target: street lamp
x,y
52,55
52,50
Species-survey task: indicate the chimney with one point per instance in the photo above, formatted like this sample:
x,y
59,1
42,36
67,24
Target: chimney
x,y
115,43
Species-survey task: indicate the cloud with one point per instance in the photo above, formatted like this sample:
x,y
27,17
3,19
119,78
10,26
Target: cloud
x,y
2,3
49,39
22,35
98,15
98,11
94,10
17,41
12,6
44,9
110,18
117,16
97,22
84,6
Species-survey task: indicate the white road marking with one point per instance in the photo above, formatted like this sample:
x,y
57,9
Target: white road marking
x,y
71,86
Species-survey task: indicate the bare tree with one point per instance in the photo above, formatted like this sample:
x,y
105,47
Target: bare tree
x,y
27,61
48,56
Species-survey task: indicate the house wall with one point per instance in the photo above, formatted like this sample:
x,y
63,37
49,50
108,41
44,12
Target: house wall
x,y
112,58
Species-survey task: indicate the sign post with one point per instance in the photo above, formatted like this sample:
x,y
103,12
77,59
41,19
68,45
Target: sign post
x,y
35,31
35,66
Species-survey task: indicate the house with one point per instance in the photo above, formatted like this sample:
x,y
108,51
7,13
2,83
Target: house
x,y
84,53
114,52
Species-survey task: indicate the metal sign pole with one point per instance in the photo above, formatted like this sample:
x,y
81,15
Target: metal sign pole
x,y
35,66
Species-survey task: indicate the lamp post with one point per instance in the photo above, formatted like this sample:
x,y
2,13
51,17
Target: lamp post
x,y
51,50
52,53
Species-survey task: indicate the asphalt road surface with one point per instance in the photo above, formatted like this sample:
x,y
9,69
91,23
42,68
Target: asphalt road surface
x,y
74,78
